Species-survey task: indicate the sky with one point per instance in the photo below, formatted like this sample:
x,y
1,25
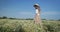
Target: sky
x,y
50,9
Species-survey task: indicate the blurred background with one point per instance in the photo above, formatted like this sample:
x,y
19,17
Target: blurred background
x,y
50,9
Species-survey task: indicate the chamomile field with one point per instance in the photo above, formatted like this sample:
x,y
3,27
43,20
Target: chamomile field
x,y
15,25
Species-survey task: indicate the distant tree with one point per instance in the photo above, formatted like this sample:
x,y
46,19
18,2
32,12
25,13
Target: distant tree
x,y
43,19
58,19
29,19
4,17
12,18
0,17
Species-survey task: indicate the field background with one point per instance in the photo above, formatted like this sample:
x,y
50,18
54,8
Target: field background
x,y
17,25
13,14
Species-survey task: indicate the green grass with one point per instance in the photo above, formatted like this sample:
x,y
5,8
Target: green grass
x,y
9,25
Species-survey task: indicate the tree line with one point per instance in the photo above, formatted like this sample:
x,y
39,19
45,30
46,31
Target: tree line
x,y
5,17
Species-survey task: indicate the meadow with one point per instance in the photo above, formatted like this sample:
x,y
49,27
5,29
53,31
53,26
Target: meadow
x,y
15,25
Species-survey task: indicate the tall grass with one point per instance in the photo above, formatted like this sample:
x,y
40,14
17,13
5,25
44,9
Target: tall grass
x,y
9,25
